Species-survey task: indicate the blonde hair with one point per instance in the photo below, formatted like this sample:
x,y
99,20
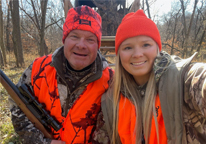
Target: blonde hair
x,y
144,106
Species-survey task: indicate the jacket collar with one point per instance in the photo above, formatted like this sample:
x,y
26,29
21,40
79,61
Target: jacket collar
x,y
59,62
163,61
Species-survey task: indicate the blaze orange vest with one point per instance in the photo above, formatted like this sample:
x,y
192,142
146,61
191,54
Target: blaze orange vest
x,y
127,120
79,123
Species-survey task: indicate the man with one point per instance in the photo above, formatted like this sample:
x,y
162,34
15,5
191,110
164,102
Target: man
x,y
70,82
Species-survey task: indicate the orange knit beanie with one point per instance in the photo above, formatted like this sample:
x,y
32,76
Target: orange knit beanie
x,y
134,24
83,18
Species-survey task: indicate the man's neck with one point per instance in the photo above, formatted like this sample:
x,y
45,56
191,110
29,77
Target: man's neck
x,y
70,68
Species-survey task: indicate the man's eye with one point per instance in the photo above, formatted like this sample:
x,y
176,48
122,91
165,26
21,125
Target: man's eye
x,y
74,36
90,39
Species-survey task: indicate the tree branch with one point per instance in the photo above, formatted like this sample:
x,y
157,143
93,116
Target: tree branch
x,y
135,6
148,9
30,35
35,15
29,16
171,47
55,22
67,6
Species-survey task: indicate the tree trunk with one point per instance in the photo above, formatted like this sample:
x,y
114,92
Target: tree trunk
x,y
173,37
2,46
184,26
67,6
143,4
43,46
1,60
187,32
16,34
190,25
174,31
135,6
8,47
148,9
201,39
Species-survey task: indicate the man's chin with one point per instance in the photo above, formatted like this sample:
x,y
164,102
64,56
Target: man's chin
x,y
78,67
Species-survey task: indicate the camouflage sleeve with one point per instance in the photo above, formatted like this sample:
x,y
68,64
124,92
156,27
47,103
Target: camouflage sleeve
x,y
194,109
23,127
100,135
195,88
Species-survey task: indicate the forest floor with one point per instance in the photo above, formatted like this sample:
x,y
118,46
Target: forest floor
x,y
7,133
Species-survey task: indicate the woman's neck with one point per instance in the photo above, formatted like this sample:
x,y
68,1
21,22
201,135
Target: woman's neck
x,y
141,80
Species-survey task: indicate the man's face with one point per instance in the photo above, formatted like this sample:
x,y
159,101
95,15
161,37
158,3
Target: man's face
x,y
80,48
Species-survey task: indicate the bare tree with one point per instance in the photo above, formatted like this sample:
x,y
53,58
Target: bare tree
x,y
1,60
67,6
148,9
202,37
174,31
201,40
185,30
198,29
43,46
16,34
143,4
38,20
135,6
169,30
2,46
8,46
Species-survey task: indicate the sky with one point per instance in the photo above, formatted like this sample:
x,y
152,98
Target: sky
x,y
157,8
161,6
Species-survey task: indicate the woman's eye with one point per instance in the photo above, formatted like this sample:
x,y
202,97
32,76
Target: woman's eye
x,y
146,45
127,48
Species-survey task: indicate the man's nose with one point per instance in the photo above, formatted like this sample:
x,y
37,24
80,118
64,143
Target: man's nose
x,y
81,43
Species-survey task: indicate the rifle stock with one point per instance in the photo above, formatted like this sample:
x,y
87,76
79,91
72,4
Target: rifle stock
x,y
28,104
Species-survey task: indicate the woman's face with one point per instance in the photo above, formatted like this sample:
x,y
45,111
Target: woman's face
x,y
137,56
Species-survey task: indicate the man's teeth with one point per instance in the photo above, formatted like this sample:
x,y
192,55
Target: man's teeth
x,y
138,63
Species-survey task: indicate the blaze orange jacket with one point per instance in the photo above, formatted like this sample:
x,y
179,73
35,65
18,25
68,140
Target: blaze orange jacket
x,y
78,125
127,120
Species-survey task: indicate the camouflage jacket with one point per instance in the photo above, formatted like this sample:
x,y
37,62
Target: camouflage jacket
x,y
70,85
181,86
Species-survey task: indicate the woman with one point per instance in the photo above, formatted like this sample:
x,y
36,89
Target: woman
x,y
155,97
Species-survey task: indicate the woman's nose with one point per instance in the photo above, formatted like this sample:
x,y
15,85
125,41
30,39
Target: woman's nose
x,y
137,52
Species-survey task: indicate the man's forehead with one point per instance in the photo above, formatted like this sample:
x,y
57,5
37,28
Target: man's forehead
x,y
82,32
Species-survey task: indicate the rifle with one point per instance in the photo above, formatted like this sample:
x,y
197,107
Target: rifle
x,y
34,110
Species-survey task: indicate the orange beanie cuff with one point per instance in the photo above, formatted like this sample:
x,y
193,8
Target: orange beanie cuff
x,y
83,18
134,24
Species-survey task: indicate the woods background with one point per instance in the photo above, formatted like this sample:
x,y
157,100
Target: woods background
x,y
32,28
27,25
